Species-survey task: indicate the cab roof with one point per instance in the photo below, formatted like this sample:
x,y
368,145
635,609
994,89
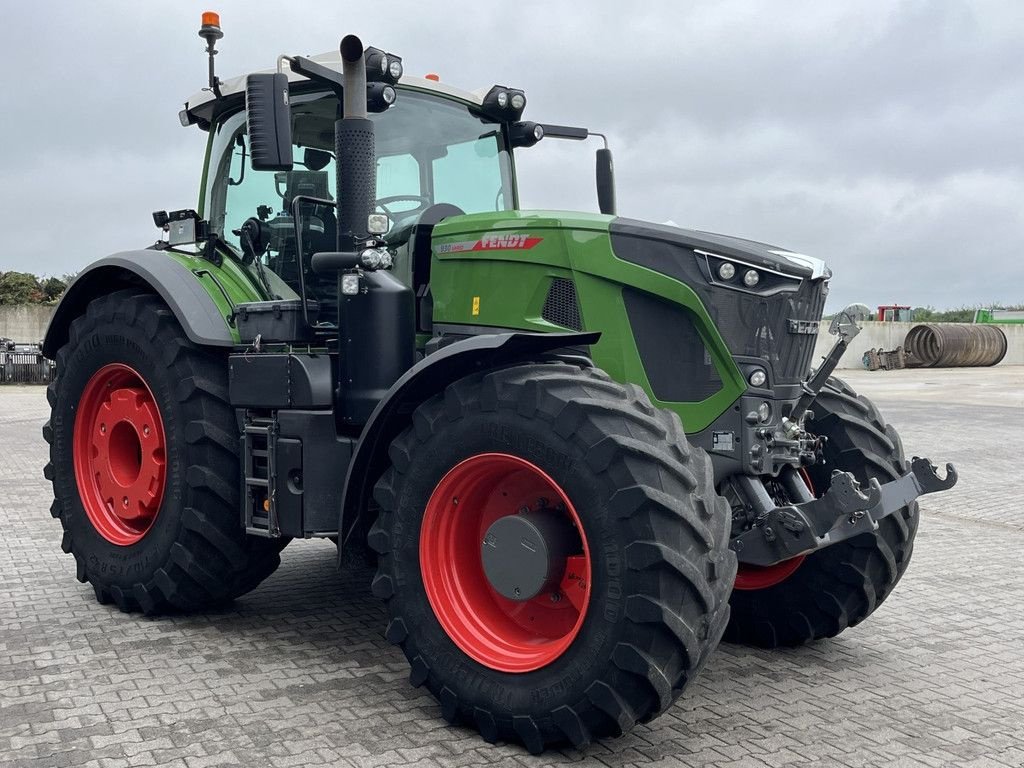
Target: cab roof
x,y
202,105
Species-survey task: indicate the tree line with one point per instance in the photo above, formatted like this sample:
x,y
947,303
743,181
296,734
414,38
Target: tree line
x,y
26,288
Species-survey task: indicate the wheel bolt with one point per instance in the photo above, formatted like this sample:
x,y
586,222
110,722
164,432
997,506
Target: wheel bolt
x,y
556,597
126,501
103,429
455,502
145,430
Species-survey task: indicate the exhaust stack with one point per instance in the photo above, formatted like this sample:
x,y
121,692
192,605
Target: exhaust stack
x,y
354,149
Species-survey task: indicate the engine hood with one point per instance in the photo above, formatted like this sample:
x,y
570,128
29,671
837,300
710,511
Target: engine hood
x,y
751,251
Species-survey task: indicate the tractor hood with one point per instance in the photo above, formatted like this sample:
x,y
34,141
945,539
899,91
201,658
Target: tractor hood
x,y
748,251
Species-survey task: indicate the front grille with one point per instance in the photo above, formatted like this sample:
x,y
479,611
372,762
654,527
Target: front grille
x,y
759,326
561,305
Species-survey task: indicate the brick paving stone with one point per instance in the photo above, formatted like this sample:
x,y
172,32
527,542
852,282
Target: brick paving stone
x,y
297,673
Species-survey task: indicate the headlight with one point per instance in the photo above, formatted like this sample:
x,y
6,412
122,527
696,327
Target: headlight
x,y
350,285
378,224
733,273
380,96
525,134
382,67
758,378
764,412
503,104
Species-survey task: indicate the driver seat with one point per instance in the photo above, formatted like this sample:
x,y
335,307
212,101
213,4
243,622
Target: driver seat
x,y
420,253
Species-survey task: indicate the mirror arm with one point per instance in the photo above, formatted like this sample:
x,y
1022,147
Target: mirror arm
x,y
309,69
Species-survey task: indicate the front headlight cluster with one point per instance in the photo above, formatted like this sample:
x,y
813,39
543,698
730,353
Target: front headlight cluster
x,y
742,276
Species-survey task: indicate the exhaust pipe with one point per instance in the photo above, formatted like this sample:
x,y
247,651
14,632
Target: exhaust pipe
x,y
354,149
377,325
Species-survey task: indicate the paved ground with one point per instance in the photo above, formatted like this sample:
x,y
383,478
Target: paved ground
x,y
297,673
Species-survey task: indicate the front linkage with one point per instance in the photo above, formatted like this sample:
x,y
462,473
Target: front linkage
x,y
783,532
844,511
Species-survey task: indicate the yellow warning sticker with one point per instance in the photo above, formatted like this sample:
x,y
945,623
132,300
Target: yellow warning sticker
x,y
476,306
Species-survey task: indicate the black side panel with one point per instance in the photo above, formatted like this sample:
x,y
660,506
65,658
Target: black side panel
x,y
562,306
269,381
674,357
377,346
152,270
325,457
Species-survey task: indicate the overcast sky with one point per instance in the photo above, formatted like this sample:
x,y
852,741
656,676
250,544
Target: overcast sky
x,y
883,137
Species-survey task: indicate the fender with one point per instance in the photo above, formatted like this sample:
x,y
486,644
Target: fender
x,y
199,317
424,380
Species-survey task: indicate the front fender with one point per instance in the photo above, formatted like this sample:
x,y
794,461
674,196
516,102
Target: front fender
x,y
424,380
190,302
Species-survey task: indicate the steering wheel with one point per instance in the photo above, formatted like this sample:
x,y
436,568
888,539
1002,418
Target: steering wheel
x,y
383,202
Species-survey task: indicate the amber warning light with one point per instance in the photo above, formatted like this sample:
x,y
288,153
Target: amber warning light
x,y
210,32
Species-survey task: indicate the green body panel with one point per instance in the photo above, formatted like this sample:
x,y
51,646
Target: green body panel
x,y
228,284
505,280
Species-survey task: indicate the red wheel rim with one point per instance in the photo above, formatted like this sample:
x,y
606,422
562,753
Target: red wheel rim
x,y
119,454
503,634
752,577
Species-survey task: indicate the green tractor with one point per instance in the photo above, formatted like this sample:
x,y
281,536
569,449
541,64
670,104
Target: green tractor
x,y
580,449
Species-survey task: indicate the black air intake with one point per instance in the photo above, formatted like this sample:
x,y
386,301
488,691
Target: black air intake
x,y
561,306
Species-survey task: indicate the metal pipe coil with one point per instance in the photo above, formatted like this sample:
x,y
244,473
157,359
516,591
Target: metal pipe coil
x,y
954,345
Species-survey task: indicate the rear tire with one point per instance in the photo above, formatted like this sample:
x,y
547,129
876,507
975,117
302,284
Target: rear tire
x,y
655,535
187,549
840,586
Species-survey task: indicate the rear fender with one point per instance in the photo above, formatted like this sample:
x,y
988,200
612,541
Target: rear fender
x,y
153,270
424,380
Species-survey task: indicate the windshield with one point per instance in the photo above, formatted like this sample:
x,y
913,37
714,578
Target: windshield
x,y
429,150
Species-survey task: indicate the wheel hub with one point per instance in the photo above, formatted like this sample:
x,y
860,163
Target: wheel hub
x,y
524,554
510,590
119,454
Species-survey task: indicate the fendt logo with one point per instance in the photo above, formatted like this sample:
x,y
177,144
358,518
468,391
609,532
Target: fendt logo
x,y
510,242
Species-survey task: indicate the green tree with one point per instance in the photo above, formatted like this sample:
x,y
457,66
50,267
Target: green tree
x,y
20,288
53,288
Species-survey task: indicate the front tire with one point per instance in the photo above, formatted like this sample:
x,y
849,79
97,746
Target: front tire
x,y
827,591
144,461
651,540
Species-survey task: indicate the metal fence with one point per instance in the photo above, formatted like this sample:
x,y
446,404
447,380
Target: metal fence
x,y
24,364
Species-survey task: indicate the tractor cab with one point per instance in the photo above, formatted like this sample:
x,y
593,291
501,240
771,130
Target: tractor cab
x,y
439,152
436,156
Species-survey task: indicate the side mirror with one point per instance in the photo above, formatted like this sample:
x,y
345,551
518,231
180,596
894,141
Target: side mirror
x,y
605,182
268,116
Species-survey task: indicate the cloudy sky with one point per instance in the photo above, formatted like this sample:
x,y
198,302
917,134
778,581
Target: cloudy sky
x,y
885,137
